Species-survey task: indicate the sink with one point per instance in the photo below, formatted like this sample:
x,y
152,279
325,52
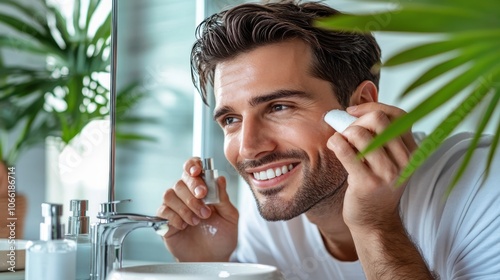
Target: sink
x,y
198,271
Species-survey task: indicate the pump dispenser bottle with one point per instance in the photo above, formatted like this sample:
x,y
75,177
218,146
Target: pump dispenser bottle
x,y
52,257
78,230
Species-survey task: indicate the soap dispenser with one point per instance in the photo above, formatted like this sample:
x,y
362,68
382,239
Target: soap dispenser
x,y
52,257
78,230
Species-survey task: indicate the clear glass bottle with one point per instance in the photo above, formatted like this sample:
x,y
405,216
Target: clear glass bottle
x,y
52,257
78,230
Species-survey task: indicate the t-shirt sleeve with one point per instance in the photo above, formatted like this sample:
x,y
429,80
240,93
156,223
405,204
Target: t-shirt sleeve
x,y
458,233
475,252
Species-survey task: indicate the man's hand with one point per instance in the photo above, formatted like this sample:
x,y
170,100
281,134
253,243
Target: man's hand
x,y
372,199
371,202
198,232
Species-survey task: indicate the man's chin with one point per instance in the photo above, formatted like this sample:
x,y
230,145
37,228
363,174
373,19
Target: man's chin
x,y
270,203
275,205
275,209
272,215
269,193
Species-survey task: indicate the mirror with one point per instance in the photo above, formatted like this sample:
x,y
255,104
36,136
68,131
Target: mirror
x,y
52,84
154,44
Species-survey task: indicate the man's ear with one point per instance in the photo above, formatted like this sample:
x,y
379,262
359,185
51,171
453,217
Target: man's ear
x,y
364,93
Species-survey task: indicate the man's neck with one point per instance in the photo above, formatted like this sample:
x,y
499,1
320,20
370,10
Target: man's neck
x,y
334,232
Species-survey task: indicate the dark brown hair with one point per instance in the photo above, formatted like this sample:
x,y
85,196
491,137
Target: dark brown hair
x,y
344,59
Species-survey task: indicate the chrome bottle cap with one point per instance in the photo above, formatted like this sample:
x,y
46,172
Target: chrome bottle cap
x,y
78,222
208,163
51,228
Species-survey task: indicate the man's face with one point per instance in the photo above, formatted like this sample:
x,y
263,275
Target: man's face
x,y
271,110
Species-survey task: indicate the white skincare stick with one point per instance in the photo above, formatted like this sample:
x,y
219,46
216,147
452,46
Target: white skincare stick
x,y
339,119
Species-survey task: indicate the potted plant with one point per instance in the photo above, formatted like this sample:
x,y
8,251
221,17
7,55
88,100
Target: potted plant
x,y
68,89
469,33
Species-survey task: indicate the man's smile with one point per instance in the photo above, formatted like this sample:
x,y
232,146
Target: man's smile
x,y
271,173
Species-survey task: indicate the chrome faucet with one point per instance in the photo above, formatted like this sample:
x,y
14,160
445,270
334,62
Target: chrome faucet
x,y
108,235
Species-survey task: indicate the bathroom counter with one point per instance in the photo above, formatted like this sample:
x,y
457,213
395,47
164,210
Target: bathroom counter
x,y
19,275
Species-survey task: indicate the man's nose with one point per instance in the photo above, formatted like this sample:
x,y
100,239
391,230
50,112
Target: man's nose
x,y
256,138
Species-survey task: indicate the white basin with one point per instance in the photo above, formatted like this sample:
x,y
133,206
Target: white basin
x,y
197,271
12,254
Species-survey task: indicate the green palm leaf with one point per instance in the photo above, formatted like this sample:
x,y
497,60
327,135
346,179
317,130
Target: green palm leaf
x,y
483,68
34,12
25,45
469,42
444,129
475,141
494,146
75,57
431,19
466,55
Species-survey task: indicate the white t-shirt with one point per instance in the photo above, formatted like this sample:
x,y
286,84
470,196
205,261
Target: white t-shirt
x,y
458,235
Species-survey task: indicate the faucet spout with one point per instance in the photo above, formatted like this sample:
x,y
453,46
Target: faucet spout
x,y
108,235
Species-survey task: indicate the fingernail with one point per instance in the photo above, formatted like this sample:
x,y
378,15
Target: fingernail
x,y
197,191
332,142
351,109
192,170
330,145
195,221
184,225
205,212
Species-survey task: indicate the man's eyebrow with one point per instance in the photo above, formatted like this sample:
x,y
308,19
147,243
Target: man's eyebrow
x,y
222,111
282,93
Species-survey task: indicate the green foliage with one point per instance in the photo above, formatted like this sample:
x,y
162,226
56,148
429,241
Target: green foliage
x,y
469,33
62,96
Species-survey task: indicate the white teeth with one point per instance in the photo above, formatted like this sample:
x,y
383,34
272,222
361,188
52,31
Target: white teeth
x,y
284,170
270,173
277,171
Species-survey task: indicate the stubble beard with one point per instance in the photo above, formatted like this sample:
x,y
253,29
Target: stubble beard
x,y
323,187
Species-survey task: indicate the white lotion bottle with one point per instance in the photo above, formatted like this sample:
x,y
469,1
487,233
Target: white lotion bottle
x,y
78,230
52,257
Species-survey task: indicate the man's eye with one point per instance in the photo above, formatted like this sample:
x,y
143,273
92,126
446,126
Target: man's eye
x,y
279,107
229,120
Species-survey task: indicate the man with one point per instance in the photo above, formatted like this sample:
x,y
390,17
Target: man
x,y
319,211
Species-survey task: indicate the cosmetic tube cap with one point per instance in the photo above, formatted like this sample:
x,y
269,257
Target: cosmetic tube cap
x,y
339,119
208,163
51,228
78,222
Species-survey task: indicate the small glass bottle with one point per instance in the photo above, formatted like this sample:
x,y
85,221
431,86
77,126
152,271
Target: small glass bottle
x,y
78,230
210,175
52,257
